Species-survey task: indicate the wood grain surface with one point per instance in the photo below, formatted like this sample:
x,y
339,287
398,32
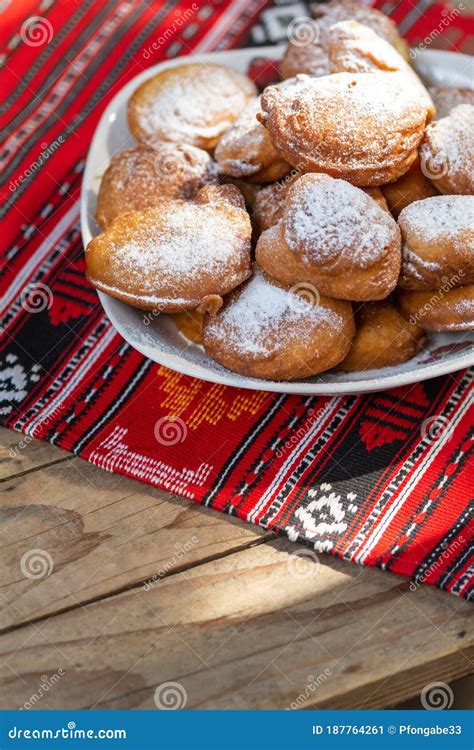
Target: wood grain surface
x,y
110,588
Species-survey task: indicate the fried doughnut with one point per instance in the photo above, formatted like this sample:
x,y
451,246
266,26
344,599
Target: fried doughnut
x,y
143,177
270,202
441,310
412,186
307,52
383,338
178,256
354,48
446,98
265,331
447,151
194,103
377,195
335,237
190,323
246,150
361,127
346,10
438,242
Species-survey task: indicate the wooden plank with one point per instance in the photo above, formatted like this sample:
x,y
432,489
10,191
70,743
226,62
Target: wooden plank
x,y
20,453
95,533
250,630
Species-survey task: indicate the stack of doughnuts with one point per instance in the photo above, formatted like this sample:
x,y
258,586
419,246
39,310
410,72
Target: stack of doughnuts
x,y
327,222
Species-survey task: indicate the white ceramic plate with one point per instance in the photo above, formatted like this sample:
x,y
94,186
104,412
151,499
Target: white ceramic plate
x,y
156,336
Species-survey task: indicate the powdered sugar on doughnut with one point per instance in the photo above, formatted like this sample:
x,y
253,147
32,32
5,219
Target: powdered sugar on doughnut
x,y
195,99
448,145
187,243
248,137
262,314
329,219
440,217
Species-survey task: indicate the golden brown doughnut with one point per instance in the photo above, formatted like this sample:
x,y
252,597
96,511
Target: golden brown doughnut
x,y
268,206
383,338
438,242
143,177
445,309
335,237
361,127
307,51
377,195
355,48
346,10
445,98
194,103
178,256
190,323
447,152
265,331
246,151
412,186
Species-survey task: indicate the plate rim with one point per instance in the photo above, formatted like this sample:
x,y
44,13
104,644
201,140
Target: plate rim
x,y
234,379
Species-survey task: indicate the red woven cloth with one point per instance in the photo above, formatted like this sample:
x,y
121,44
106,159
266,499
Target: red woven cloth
x,y
380,480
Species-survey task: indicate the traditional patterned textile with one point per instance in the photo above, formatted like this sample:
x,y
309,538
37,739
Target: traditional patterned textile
x,y
380,479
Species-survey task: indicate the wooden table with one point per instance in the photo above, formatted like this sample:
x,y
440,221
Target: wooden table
x,y
228,612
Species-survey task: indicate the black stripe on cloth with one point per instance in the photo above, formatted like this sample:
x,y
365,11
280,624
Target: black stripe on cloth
x,y
132,385
272,441
256,429
104,88
82,81
431,560
58,37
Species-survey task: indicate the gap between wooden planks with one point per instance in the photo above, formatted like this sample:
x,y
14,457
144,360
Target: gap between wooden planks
x,y
228,621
